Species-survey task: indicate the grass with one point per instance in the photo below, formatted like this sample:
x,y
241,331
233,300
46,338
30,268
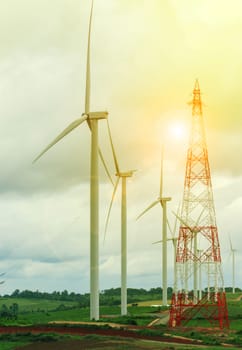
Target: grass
x,y
231,296
149,302
43,317
11,346
29,305
42,312
11,341
39,311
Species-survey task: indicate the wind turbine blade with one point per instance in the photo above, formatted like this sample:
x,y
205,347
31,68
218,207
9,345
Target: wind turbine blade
x,y
200,215
158,242
161,171
151,206
113,150
105,166
101,156
168,239
195,231
230,243
186,225
173,241
182,221
169,226
88,73
65,132
110,207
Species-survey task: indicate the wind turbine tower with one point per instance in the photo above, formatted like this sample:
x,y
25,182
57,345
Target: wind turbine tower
x,y
174,243
198,202
121,175
232,251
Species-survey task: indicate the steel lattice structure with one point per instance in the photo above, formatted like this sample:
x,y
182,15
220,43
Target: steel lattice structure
x,y
198,260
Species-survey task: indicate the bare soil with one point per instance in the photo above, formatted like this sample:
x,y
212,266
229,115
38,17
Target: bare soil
x,y
70,345
96,345
83,331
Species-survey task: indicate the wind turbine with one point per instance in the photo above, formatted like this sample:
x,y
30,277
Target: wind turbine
x,y
232,251
92,119
163,202
199,252
174,240
123,176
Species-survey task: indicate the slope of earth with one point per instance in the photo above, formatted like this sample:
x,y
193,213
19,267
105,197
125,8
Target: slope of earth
x,y
110,344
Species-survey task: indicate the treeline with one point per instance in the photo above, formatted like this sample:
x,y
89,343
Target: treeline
x,y
29,294
107,297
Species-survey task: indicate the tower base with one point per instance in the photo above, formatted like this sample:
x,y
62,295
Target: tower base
x,y
212,307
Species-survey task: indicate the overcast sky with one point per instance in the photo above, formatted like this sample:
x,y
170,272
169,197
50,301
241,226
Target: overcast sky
x,y
146,55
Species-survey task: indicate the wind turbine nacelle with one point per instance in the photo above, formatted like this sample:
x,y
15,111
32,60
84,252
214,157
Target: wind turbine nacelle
x,y
126,174
164,199
97,115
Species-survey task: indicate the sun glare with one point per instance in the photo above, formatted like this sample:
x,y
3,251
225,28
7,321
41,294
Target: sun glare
x,y
177,130
172,129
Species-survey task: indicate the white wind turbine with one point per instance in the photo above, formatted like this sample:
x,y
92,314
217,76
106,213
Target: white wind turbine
x,y
163,202
92,119
232,251
123,176
199,252
174,240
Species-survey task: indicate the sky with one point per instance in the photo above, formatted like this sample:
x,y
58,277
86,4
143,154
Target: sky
x,y
145,57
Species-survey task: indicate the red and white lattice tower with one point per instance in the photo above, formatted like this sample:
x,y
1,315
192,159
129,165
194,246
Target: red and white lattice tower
x,y
198,262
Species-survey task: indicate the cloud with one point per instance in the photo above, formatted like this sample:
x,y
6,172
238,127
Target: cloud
x,y
145,57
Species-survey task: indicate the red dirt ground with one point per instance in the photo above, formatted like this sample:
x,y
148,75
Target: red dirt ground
x,y
123,333
63,345
96,345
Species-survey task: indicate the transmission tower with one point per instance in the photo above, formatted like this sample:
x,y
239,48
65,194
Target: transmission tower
x,y
200,291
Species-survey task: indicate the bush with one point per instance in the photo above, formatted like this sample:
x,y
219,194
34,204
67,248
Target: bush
x,y
151,332
9,313
42,337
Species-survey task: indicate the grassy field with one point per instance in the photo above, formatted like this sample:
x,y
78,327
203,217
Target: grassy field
x,y
13,341
41,311
8,345
148,303
107,314
38,311
44,311
29,305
